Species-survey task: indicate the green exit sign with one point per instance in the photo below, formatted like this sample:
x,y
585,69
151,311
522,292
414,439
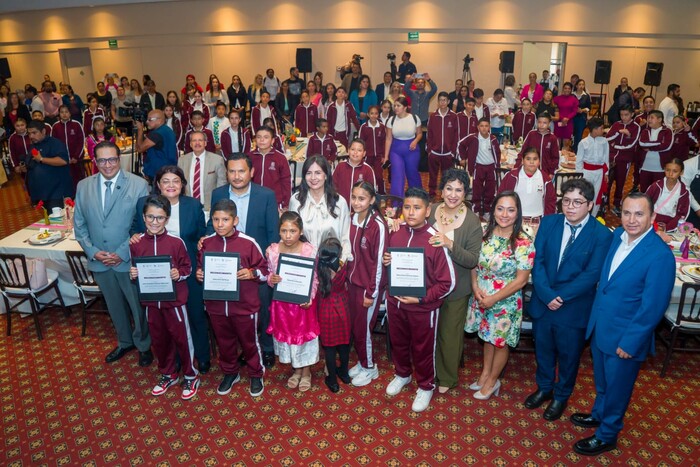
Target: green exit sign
x,y
113,44
413,36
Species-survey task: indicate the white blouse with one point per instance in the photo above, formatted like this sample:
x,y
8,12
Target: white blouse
x,y
319,224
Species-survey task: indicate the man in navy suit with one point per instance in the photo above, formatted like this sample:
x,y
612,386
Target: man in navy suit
x,y
384,89
571,248
258,218
633,293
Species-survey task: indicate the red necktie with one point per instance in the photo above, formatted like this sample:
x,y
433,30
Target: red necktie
x,y
195,183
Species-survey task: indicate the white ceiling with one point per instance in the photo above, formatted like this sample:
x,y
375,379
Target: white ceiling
x,y
10,6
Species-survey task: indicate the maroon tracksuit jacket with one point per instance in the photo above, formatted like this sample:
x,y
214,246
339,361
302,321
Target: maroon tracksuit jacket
x,y
186,112
89,117
211,147
442,134
523,123
662,145
412,328
468,149
176,126
466,125
71,134
305,119
683,142
272,171
696,129
255,122
682,208
487,112
623,147
375,141
366,279
19,147
227,141
168,323
322,147
548,145
350,118
346,175
549,196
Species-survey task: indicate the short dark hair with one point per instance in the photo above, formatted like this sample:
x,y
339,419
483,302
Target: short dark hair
x,y
267,129
627,108
320,121
672,87
546,115
640,195
31,89
170,169
240,156
226,205
498,91
443,94
157,201
38,125
103,145
197,113
470,100
358,141
407,53
658,113
415,192
594,122
478,92
581,184
451,175
675,160
485,120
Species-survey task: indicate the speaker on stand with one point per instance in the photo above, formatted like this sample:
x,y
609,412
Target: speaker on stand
x,y
652,76
506,64
304,62
603,69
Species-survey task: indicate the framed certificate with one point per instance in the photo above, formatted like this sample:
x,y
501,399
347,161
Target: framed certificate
x,y
297,274
407,272
221,276
154,281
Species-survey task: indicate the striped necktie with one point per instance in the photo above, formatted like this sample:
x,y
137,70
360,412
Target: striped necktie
x,y
570,243
196,191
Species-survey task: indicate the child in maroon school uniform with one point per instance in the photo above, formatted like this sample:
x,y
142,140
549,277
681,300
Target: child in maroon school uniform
x,y
353,170
524,120
197,124
341,116
412,320
168,321
321,143
441,144
236,323
235,138
373,133
71,134
333,317
305,115
482,154
545,142
277,140
270,167
684,140
467,122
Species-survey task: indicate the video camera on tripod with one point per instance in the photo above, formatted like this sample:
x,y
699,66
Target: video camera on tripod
x,y
135,110
347,68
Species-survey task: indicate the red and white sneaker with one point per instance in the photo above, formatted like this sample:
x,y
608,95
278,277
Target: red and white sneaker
x,y
164,384
189,388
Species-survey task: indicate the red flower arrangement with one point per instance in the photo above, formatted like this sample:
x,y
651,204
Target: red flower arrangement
x,y
40,205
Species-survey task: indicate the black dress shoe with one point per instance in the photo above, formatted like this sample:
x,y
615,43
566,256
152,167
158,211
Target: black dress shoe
x,y
145,358
554,410
593,446
118,353
204,367
269,359
332,384
537,398
584,420
343,375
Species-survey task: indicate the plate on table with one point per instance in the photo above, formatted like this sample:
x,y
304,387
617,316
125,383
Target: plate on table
x,y
691,271
45,238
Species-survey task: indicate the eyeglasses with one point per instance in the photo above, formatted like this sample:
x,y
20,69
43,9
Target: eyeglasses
x,y
107,161
153,119
152,218
577,203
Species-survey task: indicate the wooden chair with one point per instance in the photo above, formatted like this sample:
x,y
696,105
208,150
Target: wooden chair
x,y
14,284
681,322
559,179
88,290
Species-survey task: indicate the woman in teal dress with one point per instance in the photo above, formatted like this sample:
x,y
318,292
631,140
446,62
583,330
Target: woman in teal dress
x,y
496,306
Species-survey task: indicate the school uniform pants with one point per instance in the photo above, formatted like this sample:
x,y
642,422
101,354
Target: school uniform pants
x,y
647,179
436,166
199,328
450,340
404,165
232,331
620,171
342,137
170,336
362,321
265,294
376,163
637,166
484,189
413,336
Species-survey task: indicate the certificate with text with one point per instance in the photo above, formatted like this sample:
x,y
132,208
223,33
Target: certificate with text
x,y
154,281
407,272
221,276
297,273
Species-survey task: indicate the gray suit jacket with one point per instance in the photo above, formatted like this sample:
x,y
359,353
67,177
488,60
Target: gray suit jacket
x,y
213,174
107,230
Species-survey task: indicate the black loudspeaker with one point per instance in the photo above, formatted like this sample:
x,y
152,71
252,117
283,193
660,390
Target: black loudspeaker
x,y
652,77
603,68
5,68
507,61
304,60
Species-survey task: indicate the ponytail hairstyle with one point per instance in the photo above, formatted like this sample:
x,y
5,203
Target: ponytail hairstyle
x,y
294,218
240,127
373,210
329,253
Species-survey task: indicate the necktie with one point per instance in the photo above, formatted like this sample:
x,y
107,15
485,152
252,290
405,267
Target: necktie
x,y
108,194
196,191
216,132
572,238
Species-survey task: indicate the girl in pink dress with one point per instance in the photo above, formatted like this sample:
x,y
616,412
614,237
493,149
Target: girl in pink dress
x,y
294,328
98,134
568,108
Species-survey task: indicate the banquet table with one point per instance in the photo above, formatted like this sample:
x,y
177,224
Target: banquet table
x,y
296,155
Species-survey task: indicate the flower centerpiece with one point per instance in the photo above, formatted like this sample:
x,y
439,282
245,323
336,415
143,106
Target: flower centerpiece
x,y
40,206
689,233
69,206
291,135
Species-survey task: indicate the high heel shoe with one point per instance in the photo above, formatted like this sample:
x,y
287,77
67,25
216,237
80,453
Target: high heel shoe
x,y
494,391
475,386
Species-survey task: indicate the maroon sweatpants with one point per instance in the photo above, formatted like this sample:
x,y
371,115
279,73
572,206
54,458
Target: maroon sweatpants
x,y
229,332
342,136
437,165
170,332
413,336
484,189
362,321
637,166
376,164
647,179
622,167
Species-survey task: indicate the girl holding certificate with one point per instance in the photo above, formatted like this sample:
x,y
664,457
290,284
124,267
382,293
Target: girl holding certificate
x,y
294,328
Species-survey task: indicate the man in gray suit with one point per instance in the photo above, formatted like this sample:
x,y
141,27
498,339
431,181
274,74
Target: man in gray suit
x,y
211,173
105,203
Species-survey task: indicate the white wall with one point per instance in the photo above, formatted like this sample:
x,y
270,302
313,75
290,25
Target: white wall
x,y
169,40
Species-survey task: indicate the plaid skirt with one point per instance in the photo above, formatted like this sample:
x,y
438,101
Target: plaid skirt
x,y
333,314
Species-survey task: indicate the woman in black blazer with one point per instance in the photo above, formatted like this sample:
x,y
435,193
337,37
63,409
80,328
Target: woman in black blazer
x,y
187,222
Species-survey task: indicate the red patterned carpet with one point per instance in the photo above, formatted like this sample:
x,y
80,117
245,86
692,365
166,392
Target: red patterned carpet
x,y
16,212
62,405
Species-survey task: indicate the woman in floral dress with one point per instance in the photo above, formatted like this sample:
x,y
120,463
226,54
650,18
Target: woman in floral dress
x,y
496,307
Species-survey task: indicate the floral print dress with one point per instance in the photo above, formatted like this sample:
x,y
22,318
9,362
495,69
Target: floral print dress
x,y
498,266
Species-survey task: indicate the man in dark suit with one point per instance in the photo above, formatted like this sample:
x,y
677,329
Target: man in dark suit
x,y
633,294
152,99
258,218
384,89
571,248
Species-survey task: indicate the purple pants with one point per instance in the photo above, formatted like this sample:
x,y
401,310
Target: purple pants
x,y
404,165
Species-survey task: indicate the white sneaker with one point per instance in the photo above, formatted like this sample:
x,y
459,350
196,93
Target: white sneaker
x,y
397,384
422,400
356,370
365,376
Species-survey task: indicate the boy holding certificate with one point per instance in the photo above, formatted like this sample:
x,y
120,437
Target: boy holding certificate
x,y
167,320
413,320
235,322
